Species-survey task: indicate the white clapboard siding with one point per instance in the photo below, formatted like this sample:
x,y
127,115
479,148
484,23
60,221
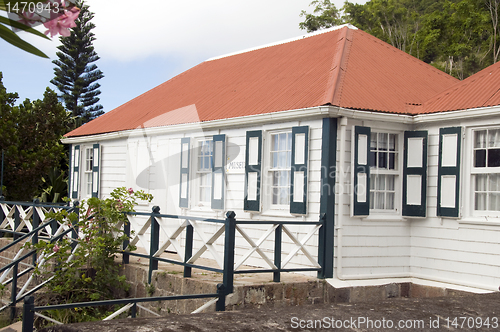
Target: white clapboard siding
x,y
113,166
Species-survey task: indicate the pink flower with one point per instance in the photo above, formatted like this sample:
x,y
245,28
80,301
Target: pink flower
x,y
56,248
119,204
28,18
130,191
63,23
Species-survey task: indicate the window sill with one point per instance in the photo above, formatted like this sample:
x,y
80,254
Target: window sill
x,y
384,217
277,213
486,221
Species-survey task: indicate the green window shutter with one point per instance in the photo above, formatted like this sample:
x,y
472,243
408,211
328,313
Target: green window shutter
x,y
75,171
184,176
95,170
361,182
218,171
298,176
253,170
415,174
448,189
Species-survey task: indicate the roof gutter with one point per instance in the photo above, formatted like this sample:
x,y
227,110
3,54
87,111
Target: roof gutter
x,y
471,113
250,120
282,116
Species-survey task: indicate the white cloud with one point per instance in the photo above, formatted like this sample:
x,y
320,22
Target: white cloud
x,y
127,29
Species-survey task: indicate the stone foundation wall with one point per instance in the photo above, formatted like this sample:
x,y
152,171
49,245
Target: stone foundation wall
x,y
247,296
269,294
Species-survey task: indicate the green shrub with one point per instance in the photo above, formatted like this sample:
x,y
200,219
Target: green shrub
x,y
90,273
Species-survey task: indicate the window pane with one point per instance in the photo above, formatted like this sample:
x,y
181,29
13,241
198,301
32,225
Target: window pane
x,y
494,138
380,182
289,142
481,182
274,143
379,202
382,160
494,202
390,182
480,202
493,157
275,195
480,158
493,182
282,160
392,142
480,139
392,161
382,141
282,143
389,201
372,199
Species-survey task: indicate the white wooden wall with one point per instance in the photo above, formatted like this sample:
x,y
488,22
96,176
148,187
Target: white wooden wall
x,y
373,247
462,251
152,164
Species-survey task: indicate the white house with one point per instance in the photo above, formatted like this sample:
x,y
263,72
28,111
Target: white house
x,y
401,158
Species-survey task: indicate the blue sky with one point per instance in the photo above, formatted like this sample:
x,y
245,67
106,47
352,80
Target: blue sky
x,y
141,48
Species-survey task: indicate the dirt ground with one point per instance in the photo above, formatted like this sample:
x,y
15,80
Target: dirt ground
x,y
468,313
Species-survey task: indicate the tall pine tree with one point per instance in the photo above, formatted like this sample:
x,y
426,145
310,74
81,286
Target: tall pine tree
x,y
76,74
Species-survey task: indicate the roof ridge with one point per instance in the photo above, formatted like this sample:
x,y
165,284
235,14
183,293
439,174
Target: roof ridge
x,y
334,87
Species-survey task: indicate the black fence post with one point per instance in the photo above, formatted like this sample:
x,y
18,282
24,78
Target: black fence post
x,y
188,251
74,232
230,230
277,252
325,245
133,310
36,223
220,305
155,242
28,314
126,242
13,294
17,222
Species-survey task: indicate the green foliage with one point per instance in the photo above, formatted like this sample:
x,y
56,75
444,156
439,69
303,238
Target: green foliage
x,y
327,15
76,74
92,274
30,135
55,186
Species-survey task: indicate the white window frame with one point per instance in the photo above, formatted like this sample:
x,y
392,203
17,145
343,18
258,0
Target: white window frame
x,y
398,173
199,175
473,171
268,173
87,174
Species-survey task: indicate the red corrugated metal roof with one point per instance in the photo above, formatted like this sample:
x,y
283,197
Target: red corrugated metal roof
x,y
344,67
479,90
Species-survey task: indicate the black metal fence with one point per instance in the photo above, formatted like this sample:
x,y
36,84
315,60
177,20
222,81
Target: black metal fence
x,y
228,228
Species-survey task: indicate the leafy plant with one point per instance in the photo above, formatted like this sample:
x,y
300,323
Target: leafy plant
x,y
92,273
55,186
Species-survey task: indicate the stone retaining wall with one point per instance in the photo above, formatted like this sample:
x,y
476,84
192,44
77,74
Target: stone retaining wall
x,y
269,294
247,294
